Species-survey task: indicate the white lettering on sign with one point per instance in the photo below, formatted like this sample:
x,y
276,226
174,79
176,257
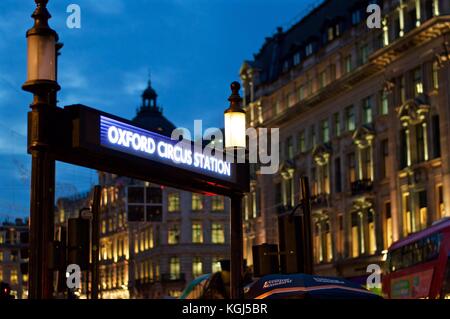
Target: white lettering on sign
x,y
167,151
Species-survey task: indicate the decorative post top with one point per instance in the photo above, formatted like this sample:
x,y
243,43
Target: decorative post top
x,y
41,16
235,99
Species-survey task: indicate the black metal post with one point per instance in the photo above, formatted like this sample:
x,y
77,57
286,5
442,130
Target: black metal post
x,y
42,204
307,240
236,254
95,241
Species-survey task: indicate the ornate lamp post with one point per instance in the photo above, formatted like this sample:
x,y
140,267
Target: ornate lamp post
x,y
42,82
235,138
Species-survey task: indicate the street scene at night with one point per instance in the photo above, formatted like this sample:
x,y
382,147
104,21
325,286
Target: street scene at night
x,y
201,152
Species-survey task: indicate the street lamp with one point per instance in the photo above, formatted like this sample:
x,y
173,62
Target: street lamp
x,y
42,53
235,121
42,82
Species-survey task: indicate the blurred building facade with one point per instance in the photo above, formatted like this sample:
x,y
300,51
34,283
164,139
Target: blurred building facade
x,y
14,238
364,113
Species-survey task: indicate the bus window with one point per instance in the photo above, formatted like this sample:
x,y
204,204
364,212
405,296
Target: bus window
x,y
445,293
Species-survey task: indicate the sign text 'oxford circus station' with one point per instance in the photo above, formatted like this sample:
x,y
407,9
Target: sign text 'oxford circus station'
x,y
143,143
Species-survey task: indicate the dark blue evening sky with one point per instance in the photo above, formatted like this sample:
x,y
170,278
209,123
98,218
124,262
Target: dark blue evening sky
x,y
194,49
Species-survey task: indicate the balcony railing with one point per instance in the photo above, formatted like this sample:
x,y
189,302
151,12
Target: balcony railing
x,y
362,186
173,277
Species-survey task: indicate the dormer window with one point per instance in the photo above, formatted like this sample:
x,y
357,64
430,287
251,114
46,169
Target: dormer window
x,y
285,66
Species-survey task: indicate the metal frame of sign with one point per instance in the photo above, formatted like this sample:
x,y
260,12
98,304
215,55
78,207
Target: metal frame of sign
x,y
80,138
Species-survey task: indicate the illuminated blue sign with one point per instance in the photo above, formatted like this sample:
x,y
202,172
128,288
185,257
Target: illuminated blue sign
x,y
133,140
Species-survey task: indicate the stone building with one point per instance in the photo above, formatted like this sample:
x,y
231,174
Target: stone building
x,y
365,114
14,239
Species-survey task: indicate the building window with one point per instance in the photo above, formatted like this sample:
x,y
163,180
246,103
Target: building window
x,y
313,137
14,278
350,122
215,265
297,58
197,267
301,142
384,103
364,54
372,236
173,202
367,110
337,174
407,229
1,256
217,203
325,131
423,209
417,81
436,136
1,276
388,240
337,124
323,79
348,64
340,234
422,152
173,235
328,242
318,249
355,234
440,202
384,158
435,76
301,93
174,268
217,233
309,49
290,148
404,149
197,202
402,89
351,160
356,17
197,233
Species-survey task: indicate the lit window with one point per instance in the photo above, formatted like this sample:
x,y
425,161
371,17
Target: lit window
x,y
14,278
337,124
217,203
351,167
384,105
1,275
372,236
174,268
440,202
406,215
173,235
301,93
173,202
301,142
197,267
215,265
328,242
355,235
323,79
348,64
325,131
330,34
1,255
388,225
318,249
217,233
197,202
417,81
350,123
197,233
367,110
435,76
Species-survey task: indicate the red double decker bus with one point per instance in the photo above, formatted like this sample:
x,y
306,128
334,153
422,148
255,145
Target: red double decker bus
x,y
419,266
